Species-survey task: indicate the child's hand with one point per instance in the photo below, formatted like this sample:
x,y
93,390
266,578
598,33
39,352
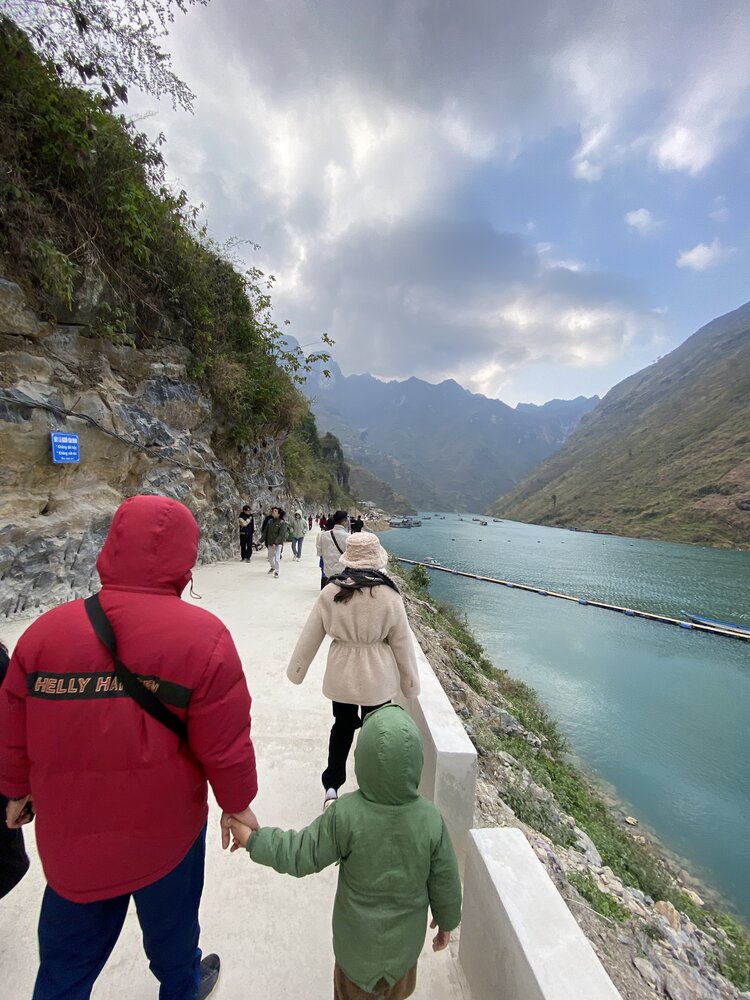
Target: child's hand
x,y
441,939
240,833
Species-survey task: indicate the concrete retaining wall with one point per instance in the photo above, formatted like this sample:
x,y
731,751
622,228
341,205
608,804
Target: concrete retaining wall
x,y
450,760
519,941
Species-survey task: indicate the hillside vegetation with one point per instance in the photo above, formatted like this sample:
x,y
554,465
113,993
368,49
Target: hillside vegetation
x,y
366,486
92,232
666,454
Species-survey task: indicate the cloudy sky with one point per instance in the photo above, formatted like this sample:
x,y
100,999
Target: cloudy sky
x,y
536,199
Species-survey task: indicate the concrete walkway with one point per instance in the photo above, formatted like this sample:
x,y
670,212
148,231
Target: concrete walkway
x,y
271,931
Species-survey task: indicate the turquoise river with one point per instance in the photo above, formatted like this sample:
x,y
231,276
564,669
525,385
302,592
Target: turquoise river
x,y
657,712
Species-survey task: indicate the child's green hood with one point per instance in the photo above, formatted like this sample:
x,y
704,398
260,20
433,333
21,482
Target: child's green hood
x,y
388,759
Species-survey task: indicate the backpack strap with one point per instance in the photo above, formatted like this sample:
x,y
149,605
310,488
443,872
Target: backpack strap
x,y
137,690
341,551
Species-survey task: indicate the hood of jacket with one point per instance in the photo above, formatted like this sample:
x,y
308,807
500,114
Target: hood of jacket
x,y
389,757
152,545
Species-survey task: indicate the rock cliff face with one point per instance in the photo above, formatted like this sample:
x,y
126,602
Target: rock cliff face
x,y
144,427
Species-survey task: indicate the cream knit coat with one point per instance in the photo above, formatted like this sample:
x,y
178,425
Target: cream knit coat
x,y
372,653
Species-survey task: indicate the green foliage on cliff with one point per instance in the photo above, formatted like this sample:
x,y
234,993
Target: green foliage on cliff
x,y
89,224
315,467
602,902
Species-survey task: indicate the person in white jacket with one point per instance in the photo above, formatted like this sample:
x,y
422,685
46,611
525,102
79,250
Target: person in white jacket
x,y
372,654
330,546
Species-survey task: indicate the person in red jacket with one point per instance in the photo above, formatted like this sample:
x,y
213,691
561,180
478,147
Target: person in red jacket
x,y
120,800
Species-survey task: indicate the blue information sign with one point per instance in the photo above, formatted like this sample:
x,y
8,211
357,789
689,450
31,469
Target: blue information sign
x,y
65,447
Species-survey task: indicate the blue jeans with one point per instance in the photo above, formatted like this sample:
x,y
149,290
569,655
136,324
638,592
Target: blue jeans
x,y
76,939
297,547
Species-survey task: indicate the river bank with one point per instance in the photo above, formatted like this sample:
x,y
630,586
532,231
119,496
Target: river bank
x,y
655,934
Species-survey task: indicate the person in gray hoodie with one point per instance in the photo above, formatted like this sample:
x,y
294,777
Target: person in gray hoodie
x,y
298,530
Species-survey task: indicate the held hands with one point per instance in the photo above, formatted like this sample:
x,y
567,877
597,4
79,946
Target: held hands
x,y
441,939
19,812
241,820
241,833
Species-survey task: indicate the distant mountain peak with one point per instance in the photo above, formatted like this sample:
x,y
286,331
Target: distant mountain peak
x,y
440,445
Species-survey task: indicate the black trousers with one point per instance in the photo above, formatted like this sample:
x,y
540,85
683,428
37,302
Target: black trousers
x,y
246,546
14,862
346,721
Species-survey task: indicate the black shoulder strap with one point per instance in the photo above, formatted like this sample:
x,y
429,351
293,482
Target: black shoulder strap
x,y
134,687
334,540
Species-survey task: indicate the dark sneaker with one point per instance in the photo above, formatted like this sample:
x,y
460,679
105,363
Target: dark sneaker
x,y
210,967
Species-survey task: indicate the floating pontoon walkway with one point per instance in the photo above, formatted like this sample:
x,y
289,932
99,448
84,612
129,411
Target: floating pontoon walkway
x,y
630,612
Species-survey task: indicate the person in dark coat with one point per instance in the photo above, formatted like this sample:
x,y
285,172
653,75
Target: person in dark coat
x,y
247,530
14,861
274,534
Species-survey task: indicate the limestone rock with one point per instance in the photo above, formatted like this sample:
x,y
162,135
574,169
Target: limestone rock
x,y
144,427
646,969
586,846
15,316
670,914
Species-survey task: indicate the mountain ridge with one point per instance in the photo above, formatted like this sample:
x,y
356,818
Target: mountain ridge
x,y
439,445
666,453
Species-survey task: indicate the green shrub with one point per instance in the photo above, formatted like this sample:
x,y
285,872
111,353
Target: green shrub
x,y
83,195
600,901
419,579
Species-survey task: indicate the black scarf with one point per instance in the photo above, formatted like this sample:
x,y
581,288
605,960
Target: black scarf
x,y
356,579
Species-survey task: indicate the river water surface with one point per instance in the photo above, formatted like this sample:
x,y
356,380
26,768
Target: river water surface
x,y
658,712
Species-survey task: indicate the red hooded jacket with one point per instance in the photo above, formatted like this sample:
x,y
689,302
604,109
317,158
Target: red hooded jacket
x,y
119,799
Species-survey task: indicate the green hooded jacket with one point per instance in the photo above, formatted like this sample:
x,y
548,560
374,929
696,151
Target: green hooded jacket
x,y
275,531
395,854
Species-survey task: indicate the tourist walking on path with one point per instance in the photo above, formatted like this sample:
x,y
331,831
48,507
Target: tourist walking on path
x,y
298,530
330,545
14,861
120,797
247,530
372,653
274,535
395,860
357,524
309,522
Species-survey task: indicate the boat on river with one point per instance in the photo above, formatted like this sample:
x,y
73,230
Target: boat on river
x,y
717,623
405,522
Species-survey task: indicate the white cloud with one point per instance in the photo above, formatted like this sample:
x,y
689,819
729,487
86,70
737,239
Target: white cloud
x,y
642,221
705,256
710,106
720,211
353,142
549,256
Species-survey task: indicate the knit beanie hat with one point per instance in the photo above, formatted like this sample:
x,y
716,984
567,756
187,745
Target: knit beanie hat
x,y
364,551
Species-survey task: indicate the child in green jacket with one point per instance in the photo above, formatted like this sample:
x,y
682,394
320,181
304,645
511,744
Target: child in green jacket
x,y
396,860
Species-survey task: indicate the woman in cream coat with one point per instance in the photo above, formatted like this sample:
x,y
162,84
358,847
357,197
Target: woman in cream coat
x,y
372,653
